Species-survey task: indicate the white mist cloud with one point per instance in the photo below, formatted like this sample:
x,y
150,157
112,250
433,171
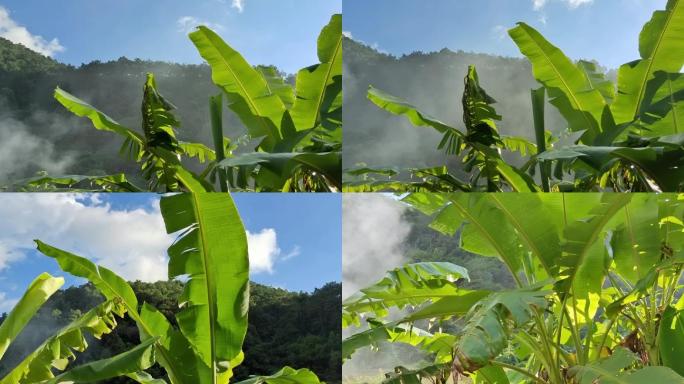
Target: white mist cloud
x,y
188,23
132,243
12,31
264,251
239,5
6,304
373,233
22,152
500,32
539,4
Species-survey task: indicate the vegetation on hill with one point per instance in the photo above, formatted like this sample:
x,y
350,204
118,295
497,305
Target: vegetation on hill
x,y
285,328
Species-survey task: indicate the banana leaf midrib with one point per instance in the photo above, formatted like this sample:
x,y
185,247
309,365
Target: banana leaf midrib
x,y
566,85
208,282
659,41
324,86
523,234
238,81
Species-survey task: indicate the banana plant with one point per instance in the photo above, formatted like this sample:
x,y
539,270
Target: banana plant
x,y
625,136
156,150
479,145
300,127
57,350
629,134
206,345
598,296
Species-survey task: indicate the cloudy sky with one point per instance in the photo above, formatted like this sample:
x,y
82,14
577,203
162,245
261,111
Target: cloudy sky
x,y
603,30
279,32
294,240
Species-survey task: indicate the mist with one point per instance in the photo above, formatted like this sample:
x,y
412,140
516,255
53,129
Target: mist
x,y
434,83
23,153
373,233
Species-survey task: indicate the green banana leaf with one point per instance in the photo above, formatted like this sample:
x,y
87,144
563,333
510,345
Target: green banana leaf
x,y
277,84
249,95
402,375
37,293
136,359
212,250
662,49
487,330
411,284
400,107
318,86
615,369
584,254
286,375
671,339
567,85
282,164
112,287
58,350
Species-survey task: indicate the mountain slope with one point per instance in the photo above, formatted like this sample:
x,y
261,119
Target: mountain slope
x,y
433,82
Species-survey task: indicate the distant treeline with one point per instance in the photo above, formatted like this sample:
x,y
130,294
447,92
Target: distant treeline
x,y
39,134
301,330
434,83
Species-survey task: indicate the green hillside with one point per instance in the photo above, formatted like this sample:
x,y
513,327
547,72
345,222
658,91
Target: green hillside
x,y
433,82
43,133
301,330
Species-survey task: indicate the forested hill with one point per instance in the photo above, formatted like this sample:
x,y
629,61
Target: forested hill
x,y
433,82
301,330
17,58
425,244
37,133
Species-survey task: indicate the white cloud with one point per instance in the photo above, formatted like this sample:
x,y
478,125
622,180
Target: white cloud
x,y
500,32
130,242
347,34
6,304
577,3
373,235
10,30
239,5
264,251
539,4
188,23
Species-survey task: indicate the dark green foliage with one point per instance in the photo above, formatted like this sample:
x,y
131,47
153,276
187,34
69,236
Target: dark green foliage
x,y
17,58
426,244
433,82
285,328
27,82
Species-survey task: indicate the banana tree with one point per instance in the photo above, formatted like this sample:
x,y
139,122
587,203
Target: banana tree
x,y
298,128
625,136
598,294
629,134
479,146
57,350
211,252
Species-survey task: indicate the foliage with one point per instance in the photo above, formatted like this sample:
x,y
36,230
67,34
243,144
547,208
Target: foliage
x,y
298,127
598,288
307,335
625,137
480,145
205,343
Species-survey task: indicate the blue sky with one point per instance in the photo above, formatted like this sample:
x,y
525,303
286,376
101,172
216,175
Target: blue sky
x,y
281,32
295,240
603,30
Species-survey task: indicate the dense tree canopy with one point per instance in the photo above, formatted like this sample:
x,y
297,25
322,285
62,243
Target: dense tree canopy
x,y
285,328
